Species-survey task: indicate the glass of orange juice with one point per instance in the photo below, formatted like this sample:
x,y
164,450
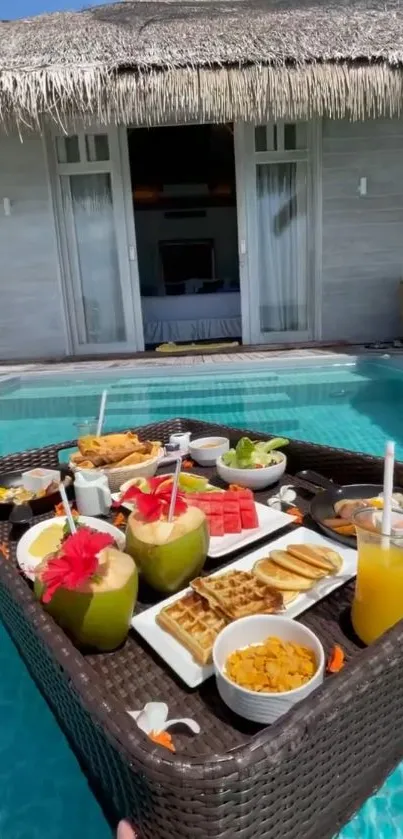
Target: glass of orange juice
x,y
378,598
86,431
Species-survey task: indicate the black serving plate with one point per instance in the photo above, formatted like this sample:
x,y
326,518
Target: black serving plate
x,y
37,505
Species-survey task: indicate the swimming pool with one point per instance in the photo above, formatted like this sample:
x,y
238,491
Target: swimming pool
x,y
353,404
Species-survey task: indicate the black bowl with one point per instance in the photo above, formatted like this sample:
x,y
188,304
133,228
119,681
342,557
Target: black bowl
x,y
38,505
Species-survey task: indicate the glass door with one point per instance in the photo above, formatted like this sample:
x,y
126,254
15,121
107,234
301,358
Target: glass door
x,y
96,263
275,174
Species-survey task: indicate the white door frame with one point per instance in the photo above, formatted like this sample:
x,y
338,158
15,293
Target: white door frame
x,y
118,169
246,159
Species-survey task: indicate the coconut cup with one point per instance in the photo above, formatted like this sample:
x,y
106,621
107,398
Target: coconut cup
x,y
168,554
97,615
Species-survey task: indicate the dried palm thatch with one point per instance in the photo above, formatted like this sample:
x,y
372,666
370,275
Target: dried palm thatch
x,y
155,61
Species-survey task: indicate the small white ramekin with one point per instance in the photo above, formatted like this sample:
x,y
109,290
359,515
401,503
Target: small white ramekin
x,y
208,456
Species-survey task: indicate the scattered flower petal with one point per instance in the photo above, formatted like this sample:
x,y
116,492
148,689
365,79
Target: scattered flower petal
x,y
163,739
297,514
188,463
119,520
4,550
285,495
274,502
191,724
153,717
153,721
60,511
336,660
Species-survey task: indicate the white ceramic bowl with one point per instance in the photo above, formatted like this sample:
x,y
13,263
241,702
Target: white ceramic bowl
x,y
263,707
28,562
206,450
253,478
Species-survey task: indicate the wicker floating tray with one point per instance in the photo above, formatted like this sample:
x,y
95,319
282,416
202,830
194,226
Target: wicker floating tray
x,y
301,778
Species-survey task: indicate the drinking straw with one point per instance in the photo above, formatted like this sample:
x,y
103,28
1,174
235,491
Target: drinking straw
x,y
389,465
174,489
67,510
102,412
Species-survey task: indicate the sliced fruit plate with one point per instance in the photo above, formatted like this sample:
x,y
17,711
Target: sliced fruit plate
x,y
234,518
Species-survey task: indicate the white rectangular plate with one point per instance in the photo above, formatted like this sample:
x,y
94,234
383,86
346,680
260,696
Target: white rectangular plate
x,y
269,521
181,661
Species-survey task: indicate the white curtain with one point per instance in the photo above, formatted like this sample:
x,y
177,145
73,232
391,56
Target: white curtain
x,y
282,247
94,255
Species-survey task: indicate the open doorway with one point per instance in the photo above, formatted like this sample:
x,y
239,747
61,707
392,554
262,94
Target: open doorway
x,y
184,199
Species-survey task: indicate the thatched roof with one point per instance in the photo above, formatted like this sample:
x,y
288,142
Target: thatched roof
x,y
145,61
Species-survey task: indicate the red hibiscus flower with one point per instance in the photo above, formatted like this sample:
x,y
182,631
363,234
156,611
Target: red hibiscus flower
x,y
76,562
154,504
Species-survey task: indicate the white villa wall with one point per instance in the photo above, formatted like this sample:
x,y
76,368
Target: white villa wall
x,y
31,319
362,236
362,254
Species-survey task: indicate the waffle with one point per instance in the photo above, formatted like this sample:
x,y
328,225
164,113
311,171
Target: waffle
x,y
238,594
193,623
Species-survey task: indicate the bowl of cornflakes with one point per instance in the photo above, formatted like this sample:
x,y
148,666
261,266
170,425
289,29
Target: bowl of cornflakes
x,y
265,664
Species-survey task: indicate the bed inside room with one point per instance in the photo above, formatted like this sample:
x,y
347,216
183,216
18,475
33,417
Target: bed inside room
x,y
184,198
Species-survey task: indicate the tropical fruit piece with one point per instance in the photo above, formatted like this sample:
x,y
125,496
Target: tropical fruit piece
x,y
168,554
192,483
216,526
98,614
227,512
249,518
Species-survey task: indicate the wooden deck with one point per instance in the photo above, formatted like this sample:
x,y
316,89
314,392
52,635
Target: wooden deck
x,y
142,361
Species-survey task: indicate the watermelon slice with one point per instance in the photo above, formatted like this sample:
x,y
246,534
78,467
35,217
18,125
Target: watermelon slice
x,y
216,508
230,507
249,517
203,505
232,523
216,526
227,512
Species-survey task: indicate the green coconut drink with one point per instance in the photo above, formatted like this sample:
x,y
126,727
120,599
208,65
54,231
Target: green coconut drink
x,y
168,554
97,613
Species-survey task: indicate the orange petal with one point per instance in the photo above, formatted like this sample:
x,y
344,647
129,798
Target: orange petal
x,y
188,464
119,520
59,511
4,550
336,660
296,513
163,739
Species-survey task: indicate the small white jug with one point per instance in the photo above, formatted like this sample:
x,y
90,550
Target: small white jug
x,y
93,495
183,439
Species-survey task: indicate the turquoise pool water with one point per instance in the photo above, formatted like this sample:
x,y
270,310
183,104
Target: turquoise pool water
x,y
356,406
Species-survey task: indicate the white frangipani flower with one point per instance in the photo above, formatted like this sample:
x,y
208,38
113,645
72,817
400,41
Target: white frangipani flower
x,y
154,719
285,495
